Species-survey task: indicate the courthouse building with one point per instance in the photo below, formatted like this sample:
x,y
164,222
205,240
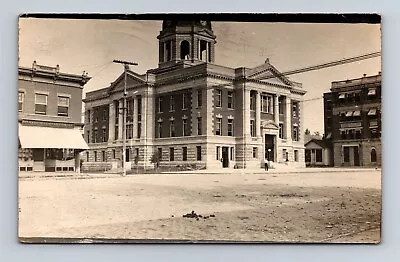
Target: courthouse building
x,y
352,113
190,110
49,116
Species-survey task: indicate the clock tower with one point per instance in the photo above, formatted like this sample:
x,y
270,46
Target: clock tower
x,y
186,40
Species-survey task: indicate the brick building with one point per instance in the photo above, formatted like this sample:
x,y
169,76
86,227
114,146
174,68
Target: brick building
x,y
193,111
352,112
49,116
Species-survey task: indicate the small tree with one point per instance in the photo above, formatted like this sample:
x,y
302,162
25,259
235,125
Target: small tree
x,y
307,131
155,159
316,133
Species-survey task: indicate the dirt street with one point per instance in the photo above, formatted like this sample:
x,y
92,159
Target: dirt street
x,y
303,207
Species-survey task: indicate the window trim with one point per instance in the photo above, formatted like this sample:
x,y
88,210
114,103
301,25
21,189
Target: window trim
x,y
23,93
218,99
68,106
46,103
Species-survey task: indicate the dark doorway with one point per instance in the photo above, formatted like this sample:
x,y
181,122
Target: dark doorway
x,y
356,156
225,156
270,147
127,156
38,154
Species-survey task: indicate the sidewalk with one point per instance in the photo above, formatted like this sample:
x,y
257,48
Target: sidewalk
x,y
286,170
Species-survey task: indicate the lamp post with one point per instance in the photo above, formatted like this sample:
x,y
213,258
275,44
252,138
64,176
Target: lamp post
x,y
126,68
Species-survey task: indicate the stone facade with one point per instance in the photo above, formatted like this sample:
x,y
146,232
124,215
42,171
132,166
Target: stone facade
x,y
231,115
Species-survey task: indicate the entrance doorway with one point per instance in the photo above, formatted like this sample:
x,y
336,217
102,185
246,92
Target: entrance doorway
x,y
356,157
38,159
225,156
269,147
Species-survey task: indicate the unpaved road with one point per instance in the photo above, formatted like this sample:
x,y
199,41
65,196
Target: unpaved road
x,y
304,207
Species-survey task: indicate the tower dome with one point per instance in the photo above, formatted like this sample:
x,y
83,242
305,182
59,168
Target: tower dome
x,y
186,40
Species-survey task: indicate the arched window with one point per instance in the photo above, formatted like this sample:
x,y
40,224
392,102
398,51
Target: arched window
x,y
185,49
373,155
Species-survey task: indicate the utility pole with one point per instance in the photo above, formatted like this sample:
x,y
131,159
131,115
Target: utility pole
x,y
124,108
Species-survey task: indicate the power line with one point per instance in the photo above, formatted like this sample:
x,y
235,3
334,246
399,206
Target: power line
x,y
326,65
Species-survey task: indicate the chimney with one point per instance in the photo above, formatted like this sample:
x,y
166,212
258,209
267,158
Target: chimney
x,y
364,75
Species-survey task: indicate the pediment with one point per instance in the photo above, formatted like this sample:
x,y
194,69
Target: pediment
x,y
269,125
269,74
133,79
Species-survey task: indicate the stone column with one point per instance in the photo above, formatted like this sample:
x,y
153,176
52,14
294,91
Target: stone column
x,y
276,109
258,114
209,114
120,118
135,116
301,118
288,119
246,113
111,122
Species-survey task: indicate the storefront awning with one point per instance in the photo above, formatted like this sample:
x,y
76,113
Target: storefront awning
x,y
349,114
49,137
356,113
372,112
341,96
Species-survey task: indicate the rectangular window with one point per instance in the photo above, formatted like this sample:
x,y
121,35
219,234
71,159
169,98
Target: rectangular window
x,y
281,130
198,153
295,133
159,128
184,153
296,155
129,131
199,126
230,127
252,128
88,116
184,127
252,102
230,99
171,129
218,100
139,130
281,105
116,132
217,151
95,136
137,152
160,100
199,98
116,112
87,156
41,104
184,101
266,104
95,156
232,152
113,154
103,135
88,136
21,98
254,152
96,115
171,154
105,114
218,130
103,156
284,155
171,103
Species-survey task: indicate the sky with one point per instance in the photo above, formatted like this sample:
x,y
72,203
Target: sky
x,y
91,45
